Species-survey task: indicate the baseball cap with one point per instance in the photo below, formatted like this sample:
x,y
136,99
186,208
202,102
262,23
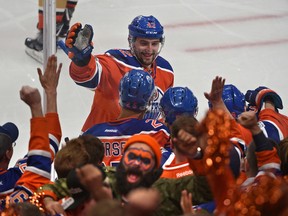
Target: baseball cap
x,y
11,130
78,193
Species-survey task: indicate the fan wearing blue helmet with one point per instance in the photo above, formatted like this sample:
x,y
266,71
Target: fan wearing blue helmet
x,y
102,73
136,91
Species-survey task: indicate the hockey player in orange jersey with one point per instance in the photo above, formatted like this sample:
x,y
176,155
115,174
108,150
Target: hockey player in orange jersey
x,y
177,165
136,92
180,101
102,73
179,107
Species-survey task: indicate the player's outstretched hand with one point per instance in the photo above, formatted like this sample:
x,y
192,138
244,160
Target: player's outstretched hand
x,y
79,43
72,34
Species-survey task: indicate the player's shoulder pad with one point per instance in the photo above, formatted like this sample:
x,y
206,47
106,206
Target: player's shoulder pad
x,y
163,63
125,56
95,129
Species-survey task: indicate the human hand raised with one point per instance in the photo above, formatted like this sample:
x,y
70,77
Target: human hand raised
x,y
49,80
215,94
31,96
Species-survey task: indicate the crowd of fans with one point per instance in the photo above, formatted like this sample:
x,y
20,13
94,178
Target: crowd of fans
x,y
146,153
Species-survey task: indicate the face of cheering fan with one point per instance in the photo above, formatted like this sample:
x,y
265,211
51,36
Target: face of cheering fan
x,y
138,156
136,168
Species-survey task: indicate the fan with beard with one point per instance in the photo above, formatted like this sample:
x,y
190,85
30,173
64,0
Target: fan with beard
x,y
146,180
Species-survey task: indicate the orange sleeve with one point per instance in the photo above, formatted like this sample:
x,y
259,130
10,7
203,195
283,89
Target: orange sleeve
x,y
37,172
268,157
55,132
83,73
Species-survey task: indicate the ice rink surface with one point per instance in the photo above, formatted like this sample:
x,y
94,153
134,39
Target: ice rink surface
x,y
244,41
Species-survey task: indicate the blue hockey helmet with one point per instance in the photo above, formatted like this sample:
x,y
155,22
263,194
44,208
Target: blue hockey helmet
x,y
146,27
177,101
234,100
136,90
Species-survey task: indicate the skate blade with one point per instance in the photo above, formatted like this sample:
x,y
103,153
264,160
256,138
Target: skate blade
x,y
36,55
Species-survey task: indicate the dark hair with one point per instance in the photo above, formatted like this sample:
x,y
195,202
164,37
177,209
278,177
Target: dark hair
x,y
5,144
186,122
23,209
77,152
283,153
252,160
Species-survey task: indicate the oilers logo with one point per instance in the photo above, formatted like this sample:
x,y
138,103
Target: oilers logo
x,y
151,25
149,79
125,52
153,110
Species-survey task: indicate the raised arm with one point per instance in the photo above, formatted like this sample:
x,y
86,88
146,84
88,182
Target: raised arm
x,y
49,81
38,168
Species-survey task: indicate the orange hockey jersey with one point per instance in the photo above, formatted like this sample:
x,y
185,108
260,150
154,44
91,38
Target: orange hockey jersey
x,y
114,134
173,170
42,149
273,124
103,74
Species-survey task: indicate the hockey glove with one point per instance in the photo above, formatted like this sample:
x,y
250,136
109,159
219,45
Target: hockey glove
x,y
79,43
261,94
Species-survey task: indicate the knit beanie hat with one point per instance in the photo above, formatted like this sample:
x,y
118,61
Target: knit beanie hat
x,y
148,140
